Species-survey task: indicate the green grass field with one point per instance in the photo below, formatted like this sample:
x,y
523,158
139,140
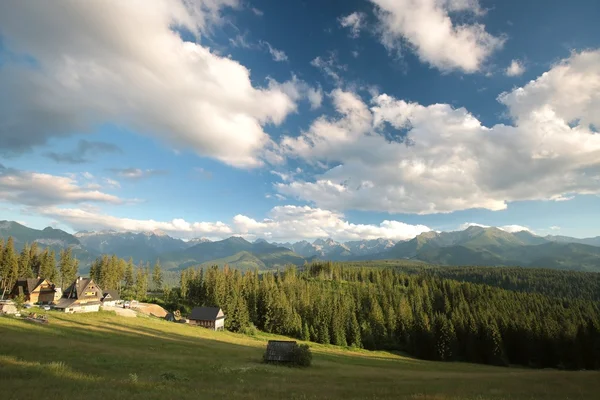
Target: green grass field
x,y
103,356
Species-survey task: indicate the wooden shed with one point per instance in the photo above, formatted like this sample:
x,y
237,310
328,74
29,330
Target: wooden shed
x,y
280,350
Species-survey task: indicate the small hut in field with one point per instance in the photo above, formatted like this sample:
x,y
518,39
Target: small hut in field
x,y
280,351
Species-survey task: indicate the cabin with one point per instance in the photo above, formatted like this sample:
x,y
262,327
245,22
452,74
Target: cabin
x,y
35,290
82,296
280,351
111,298
208,317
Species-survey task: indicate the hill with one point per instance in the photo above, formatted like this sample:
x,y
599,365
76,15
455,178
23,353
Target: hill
x,y
234,251
495,247
146,358
55,239
142,246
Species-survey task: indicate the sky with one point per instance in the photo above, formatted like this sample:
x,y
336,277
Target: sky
x,y
294,120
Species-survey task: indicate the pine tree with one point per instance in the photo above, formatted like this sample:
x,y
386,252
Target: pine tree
x,y
157,276
24,263
128,275
35,261
9,266
68,266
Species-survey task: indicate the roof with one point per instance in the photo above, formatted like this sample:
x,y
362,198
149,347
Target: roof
x,y
280,350
76,289
28,285
66,303
206,314
111,295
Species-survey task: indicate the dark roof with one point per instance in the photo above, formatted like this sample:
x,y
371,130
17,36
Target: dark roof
x,y
280,350
112,295
75,291
205,314
27,285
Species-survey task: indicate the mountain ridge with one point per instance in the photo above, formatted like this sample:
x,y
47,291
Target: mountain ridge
x,y
473,246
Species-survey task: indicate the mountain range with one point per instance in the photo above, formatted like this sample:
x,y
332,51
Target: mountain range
x,y
472,246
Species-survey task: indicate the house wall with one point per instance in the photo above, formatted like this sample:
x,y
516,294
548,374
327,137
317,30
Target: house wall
x,y
220,324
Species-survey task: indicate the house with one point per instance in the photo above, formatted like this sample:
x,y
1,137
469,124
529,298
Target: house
x,y
35,290
111,298
208,317
82,296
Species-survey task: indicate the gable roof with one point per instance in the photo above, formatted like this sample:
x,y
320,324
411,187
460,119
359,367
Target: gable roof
x,y
27,285
111,295
76,289
205,314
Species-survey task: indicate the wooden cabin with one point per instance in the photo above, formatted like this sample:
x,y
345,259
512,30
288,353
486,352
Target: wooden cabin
x,y
208,317
82,296
35,290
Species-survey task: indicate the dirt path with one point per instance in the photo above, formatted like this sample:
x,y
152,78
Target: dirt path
x,y
123,312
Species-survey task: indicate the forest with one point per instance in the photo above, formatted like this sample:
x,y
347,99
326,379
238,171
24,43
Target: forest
x,y
502,316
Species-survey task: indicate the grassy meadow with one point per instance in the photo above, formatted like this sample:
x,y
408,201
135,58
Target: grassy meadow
x,y
103,356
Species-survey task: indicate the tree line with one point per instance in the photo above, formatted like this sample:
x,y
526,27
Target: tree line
x,y
32,262
424,315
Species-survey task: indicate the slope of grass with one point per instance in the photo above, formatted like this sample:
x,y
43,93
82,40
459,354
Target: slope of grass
x,y
102,356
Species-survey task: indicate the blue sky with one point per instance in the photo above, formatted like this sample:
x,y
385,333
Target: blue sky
x,y
301,120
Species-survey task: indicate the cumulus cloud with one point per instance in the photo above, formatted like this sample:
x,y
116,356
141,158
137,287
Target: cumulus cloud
x,y
126,63
427,27
355,22
81,219
84,148
137,173
283,223
39,189
403,157
516,68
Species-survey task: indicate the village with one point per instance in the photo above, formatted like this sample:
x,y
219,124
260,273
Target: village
x,y
85,296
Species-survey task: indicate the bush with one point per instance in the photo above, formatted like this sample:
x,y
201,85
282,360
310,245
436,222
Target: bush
x,y
302,356
250,330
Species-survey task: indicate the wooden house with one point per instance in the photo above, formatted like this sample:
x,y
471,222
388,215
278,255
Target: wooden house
x,y
82,296
208,317
35,290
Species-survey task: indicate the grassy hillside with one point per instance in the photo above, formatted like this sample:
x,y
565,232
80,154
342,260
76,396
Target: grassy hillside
x,y
102,356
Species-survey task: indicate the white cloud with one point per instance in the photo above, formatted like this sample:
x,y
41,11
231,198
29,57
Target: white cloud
x,y
516,68
137,173
507,228
427,27
283,223
278,55
315,97
257,12
296,222
330,67
39,189
403,157
555,228
80,219
354,21
124,62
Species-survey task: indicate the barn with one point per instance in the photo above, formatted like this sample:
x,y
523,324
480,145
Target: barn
x,y
208,317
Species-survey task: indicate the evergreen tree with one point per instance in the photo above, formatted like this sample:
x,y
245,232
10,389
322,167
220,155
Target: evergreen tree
x,y
24,263
157,276
68,266
9,266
